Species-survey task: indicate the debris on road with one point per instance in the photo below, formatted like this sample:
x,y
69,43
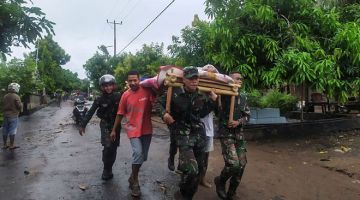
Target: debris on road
x,y
83,187
163,187
343,149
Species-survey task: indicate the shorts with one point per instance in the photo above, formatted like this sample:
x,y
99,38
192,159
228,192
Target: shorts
x,y
140,147
209,144
10,125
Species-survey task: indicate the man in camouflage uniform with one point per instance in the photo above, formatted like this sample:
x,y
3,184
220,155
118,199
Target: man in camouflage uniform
x,y
232,142
188,105
106,106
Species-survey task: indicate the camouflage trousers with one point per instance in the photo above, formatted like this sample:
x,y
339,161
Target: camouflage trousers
x,y
191,160
110,147
234,154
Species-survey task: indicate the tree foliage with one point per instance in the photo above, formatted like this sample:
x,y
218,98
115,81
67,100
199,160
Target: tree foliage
x,y
101,63
21,24
147,61
22,72
26,74
190,49
50,58
280,42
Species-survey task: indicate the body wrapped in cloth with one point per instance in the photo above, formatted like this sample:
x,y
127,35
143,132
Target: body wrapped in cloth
x,y
210,78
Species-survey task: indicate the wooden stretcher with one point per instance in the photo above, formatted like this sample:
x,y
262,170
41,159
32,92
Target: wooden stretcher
x,y
205,85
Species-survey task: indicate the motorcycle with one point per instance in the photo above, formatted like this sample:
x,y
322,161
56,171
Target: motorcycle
x,y
79,109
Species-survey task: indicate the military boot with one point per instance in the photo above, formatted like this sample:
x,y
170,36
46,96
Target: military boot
x,y
107,174
180,196
220,187
232,191
234,183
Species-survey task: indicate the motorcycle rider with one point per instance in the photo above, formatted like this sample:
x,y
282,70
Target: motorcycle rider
x,y
106,106
78,112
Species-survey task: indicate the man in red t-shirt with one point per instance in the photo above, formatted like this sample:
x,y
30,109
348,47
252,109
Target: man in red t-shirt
x,y
135,105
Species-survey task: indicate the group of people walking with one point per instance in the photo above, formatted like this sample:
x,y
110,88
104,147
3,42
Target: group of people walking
x,y
190,122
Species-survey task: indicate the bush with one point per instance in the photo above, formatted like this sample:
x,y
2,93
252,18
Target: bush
x,y
273,99
253,98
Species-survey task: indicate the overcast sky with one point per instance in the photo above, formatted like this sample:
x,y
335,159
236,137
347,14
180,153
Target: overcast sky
x,y
81,24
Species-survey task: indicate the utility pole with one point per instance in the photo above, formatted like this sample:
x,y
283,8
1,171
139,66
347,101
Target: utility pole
x,y
114,23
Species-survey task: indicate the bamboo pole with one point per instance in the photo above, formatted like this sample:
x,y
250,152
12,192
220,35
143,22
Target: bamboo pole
x,y
218,91
172,81
206,89
168,98
232,104
212,85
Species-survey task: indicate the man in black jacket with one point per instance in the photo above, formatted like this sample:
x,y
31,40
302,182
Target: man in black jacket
x,y
106,106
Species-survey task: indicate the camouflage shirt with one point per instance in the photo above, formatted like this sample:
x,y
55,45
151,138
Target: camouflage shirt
x,y
186,108
241,109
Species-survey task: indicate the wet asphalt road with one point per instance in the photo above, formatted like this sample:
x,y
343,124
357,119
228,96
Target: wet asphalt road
x,y
54,161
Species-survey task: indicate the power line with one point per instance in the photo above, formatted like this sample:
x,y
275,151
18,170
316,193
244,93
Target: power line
x,y
123,10
152,21
132,9
109,13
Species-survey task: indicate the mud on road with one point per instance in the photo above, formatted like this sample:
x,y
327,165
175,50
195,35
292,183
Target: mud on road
x,y
55,162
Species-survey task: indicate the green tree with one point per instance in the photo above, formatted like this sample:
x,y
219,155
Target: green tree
x,y
190,50
147,61
22,72
85,84
21,24
50,58
99,64
280,42
71,81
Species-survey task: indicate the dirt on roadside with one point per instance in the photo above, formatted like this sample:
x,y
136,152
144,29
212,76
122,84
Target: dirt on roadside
x,y
313,167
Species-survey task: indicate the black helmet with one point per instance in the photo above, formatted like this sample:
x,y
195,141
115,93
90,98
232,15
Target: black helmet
x,y
106,79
